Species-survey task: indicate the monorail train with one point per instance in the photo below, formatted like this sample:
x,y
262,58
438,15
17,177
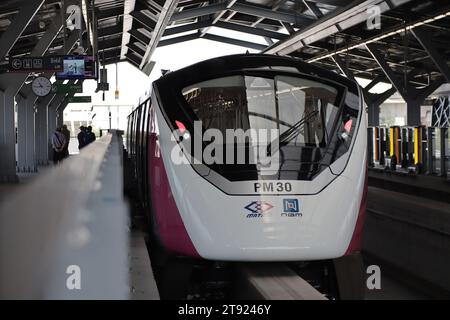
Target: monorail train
x,y
308,204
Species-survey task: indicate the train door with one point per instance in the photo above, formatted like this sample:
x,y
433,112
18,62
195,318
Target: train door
x,y
145,152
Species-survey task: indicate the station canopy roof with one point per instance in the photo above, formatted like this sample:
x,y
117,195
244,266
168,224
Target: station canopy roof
x,y
331,33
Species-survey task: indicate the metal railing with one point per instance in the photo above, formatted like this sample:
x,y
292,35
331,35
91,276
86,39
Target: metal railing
x,y
65,235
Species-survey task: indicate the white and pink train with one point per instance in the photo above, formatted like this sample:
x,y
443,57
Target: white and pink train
x,y
309,207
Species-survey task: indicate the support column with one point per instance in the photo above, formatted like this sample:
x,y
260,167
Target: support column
x,y
7,139
41,136
373,115
414,97
26,160
59,117
11,85
412,113
51,127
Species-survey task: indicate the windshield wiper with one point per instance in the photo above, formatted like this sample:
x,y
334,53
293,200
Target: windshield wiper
x,y
292,132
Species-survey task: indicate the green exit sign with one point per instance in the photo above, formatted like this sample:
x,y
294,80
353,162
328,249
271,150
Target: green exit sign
x,y
67,88
80,99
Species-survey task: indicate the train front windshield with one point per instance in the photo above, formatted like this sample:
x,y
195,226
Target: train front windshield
x,y
244,102
307,114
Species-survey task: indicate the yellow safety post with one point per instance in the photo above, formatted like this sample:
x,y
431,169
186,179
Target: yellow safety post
x,y
391,141
417,145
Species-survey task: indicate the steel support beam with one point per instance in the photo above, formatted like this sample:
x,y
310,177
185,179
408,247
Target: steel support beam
x,y
110,43
110,13
395,81
312,6
139,36
198,12
422,94
295,18
20,22
378,99
179,39
373,101
413,97
373,83
217,17
128,7
134,57
11,84
110,31
187,27
148,23
235,42
288,27
135,48
423,37
329,25
343,67
250,30
163,20
275,6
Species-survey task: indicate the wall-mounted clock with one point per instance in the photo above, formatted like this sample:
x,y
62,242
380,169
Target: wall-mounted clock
x,y
41,86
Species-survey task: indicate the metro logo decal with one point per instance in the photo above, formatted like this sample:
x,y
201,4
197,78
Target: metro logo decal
x,y
257,208
291,208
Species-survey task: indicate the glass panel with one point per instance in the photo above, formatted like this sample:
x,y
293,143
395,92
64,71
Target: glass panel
x,y
304,99
240,102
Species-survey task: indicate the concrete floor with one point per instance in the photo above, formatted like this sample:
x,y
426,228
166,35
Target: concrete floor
x,y
392,289
143,284
8,188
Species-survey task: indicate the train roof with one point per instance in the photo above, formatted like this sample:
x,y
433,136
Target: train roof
x,y
226,64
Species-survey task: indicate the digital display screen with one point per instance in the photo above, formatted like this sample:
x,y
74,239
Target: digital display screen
x,y
77,67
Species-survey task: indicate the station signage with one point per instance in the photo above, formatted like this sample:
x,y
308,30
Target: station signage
x,y
36,64
80,99
67,88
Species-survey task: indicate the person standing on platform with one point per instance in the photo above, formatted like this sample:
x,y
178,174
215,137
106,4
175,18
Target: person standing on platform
x,y
90,136
81,138
66,134
58,144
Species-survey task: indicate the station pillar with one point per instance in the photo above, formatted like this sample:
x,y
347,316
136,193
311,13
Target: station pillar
x,y
41,136
59,117
26,151
7,139
51,127
373,116
413,113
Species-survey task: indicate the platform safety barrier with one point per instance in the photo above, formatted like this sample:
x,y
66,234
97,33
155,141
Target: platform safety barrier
x,y
65,235
414,149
